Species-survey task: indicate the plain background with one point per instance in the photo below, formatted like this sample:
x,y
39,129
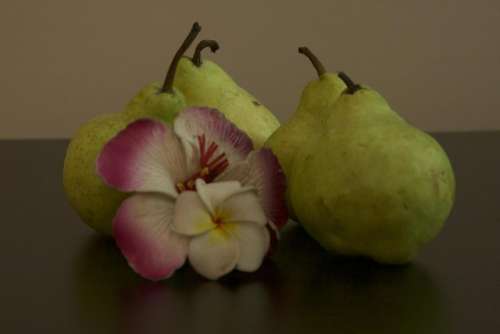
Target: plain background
x,y
63,62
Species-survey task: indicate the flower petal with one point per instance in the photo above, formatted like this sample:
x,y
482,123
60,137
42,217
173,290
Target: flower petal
x,y
214,254
243,206
146,156
263,171
254,242
214,194
142,231
194,122
191,215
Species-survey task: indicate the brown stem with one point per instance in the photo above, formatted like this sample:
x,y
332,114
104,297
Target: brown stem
x,y
351,86
314,60
206,43
169,78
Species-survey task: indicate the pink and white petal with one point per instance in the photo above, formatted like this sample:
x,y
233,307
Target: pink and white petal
x,y
142,231
214,254
254,242
214,194
198,121
237,172
192,154
146,156
243,206
191,217
263,171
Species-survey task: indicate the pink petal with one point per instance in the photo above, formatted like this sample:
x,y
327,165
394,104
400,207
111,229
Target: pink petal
x,y
146,156
194,122
263,171
191,216
142,231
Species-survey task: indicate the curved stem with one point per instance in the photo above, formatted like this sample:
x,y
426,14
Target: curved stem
x,y
351,86
314,60
169,78
206,43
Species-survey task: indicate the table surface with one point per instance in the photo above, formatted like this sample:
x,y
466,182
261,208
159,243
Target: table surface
x,y
58,276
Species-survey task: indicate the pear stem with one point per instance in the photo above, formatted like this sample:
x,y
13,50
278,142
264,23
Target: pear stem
x,y
351,86
206,43
314,60
169,78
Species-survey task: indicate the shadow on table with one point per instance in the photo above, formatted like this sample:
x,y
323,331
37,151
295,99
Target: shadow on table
x,y
302,288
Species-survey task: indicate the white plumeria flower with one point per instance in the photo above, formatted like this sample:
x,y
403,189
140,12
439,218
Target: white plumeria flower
x,y
227,226
158,163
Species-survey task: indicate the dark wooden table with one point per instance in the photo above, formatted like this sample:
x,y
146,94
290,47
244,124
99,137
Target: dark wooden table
x,y
57,276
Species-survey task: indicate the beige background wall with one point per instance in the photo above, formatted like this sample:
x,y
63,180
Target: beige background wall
x,y
64,61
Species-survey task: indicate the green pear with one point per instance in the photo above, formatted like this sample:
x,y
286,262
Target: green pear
x,y
370,183
95,202
289,141
204,83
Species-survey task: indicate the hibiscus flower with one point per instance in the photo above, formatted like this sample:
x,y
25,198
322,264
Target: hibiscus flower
x,y
202,164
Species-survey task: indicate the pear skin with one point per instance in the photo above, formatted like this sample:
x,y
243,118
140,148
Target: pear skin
x,y
207,84
164,107
95,202
288,143
372,185
317,96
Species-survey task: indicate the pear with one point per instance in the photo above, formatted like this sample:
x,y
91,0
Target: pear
x,y
370,183
204,83
289,141
94,201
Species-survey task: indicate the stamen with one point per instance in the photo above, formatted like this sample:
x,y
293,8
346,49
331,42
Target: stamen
x,y
201,143
180,187
204,172
209,168
219,168
210,151
217,160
